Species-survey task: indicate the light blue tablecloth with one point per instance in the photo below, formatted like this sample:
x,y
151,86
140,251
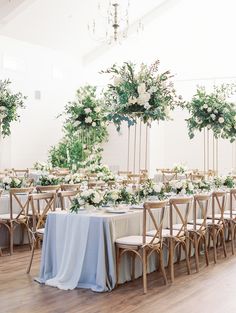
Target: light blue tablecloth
x,y
78,252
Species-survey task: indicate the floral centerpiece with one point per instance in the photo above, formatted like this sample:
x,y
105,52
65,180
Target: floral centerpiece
x,y
179,168
8,182
221,182
229,182
182,187
202,185
47,180
121,195
88,199
73,178
213,111
9,105
42,166
150,188
103,172
144,93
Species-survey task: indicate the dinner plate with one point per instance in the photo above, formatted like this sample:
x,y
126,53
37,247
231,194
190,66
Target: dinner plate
x,y
137,206
116,211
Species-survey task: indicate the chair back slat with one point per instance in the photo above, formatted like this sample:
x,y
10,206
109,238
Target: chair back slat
x,y
69,195
148,209
181,206
219,198
16,194
200,210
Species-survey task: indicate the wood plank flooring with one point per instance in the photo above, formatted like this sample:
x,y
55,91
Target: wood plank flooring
x,y
213,289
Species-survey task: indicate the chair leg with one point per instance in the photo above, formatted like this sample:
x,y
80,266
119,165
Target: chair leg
x,y
11,233
196,244
186,248
230,235
171,260
162,268
179,250
206,250
214,243
31,258
144,271
29,238
133,255
117,264
223,243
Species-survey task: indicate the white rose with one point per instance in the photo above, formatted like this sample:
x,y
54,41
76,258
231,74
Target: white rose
x,y
235,118
88,120
87,110
179,185
143,98
209,110
142,88
215,111
208,126
117,81
221,120
183,192
94,124
205,106
77,123
157,188
96,198
213,116
7,180
132,100
114,195
97,109
190,186
81,202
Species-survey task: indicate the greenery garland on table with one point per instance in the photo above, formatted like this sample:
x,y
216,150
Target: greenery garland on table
x,y
145,93
85,129
213,111
9,105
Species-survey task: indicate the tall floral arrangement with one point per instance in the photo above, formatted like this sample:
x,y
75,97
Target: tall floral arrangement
x,y
145,93
9,104
85,129
213,111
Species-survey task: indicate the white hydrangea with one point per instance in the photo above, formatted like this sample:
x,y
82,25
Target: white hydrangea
x,y
88,120
87,110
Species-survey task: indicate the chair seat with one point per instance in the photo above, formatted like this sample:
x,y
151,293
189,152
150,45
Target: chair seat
x,y
7,216
190,227
165,233
227,214
199,221
135,240
218,216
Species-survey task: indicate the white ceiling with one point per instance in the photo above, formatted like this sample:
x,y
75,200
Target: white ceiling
x,y
62,24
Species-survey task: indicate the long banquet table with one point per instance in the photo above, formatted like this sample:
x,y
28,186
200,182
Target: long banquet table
x,y
79,251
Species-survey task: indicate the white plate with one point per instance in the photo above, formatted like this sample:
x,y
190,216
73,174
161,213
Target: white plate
x,y
137,206
116,211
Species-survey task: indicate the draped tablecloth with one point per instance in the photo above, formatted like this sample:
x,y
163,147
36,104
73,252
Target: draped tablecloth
x,y
79,251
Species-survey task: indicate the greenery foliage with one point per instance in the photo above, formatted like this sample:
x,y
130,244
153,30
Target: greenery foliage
x,y
213,111
9,104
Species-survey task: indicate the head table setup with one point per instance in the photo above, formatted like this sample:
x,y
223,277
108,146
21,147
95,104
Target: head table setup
x,y
96,232
100,228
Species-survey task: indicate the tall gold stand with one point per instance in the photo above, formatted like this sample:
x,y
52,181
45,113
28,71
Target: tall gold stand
x,y
210,153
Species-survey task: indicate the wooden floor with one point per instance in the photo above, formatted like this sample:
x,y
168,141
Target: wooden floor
x,y
211,290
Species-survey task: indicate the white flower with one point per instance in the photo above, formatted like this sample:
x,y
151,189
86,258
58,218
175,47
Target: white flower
x,y
235,118
132,100
97,109
87,110
81,202
221,120
209,126
94,124
152,89
234,126
114,195
179,185
144,98
7,180
141,88
88,120
209,110
147,106
205,106
215,111
17,181
77,123
157,188
97,198
3,109
190,186
117,81
213,116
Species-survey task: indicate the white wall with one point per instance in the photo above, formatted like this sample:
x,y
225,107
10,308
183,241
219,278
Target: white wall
x,y
56,76
194,39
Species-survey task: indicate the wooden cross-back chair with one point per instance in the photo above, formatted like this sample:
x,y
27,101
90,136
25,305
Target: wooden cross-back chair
x,y
143,246
70,187
168,176
39,218
177,235
19,197
217,223
51,188
20,172
197,228
67,195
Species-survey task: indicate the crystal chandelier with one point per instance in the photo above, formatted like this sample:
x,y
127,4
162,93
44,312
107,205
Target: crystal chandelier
x,y
111,24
